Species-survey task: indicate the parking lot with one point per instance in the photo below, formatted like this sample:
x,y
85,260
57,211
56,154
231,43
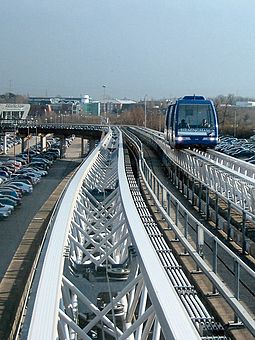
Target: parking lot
x,y
13,228
239,148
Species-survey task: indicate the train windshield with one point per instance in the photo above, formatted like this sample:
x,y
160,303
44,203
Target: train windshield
x,y
196,117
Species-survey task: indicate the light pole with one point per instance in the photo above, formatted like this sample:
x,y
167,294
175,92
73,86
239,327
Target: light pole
x,y
145,111
104,113
14,146
235,125
36,134
28,143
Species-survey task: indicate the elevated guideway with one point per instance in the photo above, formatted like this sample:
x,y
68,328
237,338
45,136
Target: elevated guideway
x,y
213,179
107,270
100,275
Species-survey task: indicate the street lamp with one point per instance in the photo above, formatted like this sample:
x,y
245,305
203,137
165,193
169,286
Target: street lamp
x,y
235,125
36,134
14,146
28,143
145,111
104,86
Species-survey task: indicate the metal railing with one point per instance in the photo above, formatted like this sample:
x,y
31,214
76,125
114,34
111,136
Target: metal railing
x,y
173,211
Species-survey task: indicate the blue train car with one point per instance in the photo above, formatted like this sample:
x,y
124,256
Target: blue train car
x,y
191,121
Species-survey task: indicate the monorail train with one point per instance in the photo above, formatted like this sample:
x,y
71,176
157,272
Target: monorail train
x,y
191,121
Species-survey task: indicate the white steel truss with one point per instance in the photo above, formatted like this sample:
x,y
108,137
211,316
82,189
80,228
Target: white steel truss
x,y
94,282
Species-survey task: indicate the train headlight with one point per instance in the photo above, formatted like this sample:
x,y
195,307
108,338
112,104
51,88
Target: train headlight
x,y
180,139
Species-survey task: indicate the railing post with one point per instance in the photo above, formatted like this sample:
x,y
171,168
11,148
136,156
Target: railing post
x,y
199,242
168,203
158,190
186,230
216,210
207,203
200,197
187,193
237,285
228,220
193,194
244,233
176,214
215,261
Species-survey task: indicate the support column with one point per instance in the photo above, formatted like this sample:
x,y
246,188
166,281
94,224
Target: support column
x,y
84,147
43,142
62,146
23,144
92,144
4,144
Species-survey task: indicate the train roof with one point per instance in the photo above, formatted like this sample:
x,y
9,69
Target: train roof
x,y
193,100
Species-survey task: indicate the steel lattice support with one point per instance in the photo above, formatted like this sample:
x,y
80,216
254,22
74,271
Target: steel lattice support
x,y
101,276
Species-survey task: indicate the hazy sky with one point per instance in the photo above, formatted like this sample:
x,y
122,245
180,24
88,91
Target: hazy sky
x,y
158,48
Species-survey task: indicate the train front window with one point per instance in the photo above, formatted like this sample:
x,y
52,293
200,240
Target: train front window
x,y
195,116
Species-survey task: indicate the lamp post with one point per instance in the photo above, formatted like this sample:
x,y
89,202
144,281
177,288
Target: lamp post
x,y
235,125
145,111
104,113
14,146
36,134
28,143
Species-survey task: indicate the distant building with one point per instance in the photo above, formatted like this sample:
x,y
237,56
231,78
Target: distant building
x,y
245,104
14,111
69,105
90,109
116,106
79,105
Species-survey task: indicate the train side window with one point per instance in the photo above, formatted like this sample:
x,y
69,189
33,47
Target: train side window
x,y
172,110
167,116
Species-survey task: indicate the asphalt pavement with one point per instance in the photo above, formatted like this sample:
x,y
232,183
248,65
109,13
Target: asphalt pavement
x,y
13,228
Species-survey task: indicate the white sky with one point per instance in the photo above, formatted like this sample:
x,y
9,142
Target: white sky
x,y
158,48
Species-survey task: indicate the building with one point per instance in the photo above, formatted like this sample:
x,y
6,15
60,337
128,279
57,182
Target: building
x,y
14,111
116,106
88,107
69,105
79,105
245,104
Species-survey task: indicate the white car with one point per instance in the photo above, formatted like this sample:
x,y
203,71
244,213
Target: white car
x,y
5,211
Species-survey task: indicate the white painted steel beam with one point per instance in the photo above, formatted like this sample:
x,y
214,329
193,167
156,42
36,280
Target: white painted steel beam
x,y
96,222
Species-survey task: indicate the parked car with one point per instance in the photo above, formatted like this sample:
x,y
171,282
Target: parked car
x,y
5,211
30,177
32,170
15,199
24,187
42,159
8,201
4,174
39,165
13,187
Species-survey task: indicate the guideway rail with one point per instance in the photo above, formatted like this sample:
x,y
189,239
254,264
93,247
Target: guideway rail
x,y
198,313
170,206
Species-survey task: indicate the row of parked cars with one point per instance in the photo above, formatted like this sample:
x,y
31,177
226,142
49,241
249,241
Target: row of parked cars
x,y
11,140
239,148
18,175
